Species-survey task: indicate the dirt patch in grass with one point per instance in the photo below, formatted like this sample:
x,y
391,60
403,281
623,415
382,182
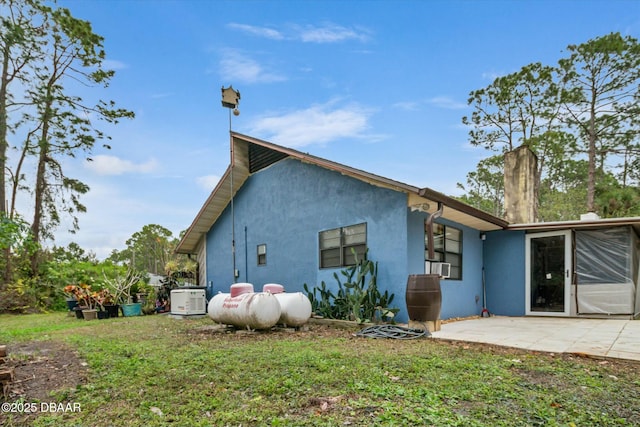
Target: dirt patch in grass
x,y
40,368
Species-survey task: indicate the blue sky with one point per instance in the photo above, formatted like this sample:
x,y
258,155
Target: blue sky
x,y
377,85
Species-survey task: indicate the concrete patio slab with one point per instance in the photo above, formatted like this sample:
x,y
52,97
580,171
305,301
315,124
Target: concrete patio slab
x,y
595,337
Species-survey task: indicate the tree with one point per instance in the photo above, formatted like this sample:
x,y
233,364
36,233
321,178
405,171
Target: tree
x,y
563,190
485,186
589,105
73,252
50,61
518,109
617,201
74,53
18,49
601,80
15,233
150,248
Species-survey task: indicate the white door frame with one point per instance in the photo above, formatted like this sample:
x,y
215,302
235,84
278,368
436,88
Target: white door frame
x,y
568,261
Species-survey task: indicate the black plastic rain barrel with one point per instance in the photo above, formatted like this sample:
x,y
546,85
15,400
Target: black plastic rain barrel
x,y
424,298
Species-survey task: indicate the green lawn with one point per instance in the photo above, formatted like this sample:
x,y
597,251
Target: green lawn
x,y
156,371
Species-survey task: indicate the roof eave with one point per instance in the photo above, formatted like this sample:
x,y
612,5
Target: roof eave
x,y
189,241
202,223
462,207
556,225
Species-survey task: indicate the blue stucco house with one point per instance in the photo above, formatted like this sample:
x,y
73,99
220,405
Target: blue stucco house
x,y
294,219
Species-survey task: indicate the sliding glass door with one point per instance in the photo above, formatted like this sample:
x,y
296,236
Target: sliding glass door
x,y
548,273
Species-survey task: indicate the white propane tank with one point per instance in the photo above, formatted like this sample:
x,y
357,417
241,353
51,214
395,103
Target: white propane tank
x,y
254,310
295,308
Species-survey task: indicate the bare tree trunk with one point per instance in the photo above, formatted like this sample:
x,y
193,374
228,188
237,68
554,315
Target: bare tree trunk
x,y
36,226
41,181
3,156
591,184
3,129
15,181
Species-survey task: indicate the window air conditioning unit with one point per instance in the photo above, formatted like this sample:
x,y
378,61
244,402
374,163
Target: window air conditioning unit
x,y
186,302
442,269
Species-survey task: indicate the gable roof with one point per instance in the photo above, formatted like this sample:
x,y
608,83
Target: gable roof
x,y
250,155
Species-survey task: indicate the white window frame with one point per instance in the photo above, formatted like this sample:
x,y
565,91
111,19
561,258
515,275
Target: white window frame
x,y
340,241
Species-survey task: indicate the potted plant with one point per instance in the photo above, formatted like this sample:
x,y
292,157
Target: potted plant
x,y
94,304
149,304
75,292
91,302
86,299
70,298
104,299
107,300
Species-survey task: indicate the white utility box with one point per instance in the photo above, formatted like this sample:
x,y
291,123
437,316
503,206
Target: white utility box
x,y
186,302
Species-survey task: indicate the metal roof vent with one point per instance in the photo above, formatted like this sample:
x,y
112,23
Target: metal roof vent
x,y
589,216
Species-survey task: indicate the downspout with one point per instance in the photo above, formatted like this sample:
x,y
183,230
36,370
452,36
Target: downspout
x,y
437,214
246,256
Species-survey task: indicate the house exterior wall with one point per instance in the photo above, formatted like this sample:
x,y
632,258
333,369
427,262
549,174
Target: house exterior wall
x,y
201,258
415,242
286,205
504,265
460,298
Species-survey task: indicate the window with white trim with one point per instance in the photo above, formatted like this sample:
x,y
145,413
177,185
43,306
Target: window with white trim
x,y
262,254
447,247
336,245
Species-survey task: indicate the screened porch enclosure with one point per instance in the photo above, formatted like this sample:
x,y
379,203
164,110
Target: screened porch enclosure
x,y
607,271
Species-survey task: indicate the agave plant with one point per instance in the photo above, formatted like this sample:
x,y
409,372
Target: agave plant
x,y
358,297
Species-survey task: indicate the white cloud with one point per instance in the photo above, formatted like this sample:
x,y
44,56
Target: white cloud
x,y
492,75
407,105
234,66
325,33
331,33
207,182
437,101
110,64
317,124
267,33
446,102
112,165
